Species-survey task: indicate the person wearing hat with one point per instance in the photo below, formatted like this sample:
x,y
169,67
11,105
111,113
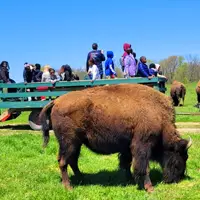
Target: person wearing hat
x,y
98,57
109,66
130,66
126,46
27,73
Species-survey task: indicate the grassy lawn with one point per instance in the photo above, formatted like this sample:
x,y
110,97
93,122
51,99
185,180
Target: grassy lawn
x,y
26,172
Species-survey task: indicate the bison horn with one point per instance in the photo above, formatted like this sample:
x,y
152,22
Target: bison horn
x,y
189,143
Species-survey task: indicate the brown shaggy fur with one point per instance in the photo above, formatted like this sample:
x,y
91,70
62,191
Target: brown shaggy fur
x,y
177,92
134,120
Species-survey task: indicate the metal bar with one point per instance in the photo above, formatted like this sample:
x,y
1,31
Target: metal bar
x,y
24,104
32,94
84,83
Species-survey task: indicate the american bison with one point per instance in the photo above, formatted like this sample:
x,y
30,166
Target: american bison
x,y
133,120
198,95
177,93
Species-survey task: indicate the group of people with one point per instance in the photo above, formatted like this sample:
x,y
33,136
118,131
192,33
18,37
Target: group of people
x,y
33,73
129,64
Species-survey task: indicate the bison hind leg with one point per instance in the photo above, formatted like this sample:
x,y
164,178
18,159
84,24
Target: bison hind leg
x,y
125,161
176,101
68,155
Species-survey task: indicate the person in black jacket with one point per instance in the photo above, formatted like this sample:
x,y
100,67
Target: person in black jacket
x,y
66,73
4,76
4,72
98,57
37,73
27,73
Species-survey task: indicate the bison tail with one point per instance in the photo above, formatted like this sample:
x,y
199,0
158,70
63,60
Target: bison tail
x,y
46,121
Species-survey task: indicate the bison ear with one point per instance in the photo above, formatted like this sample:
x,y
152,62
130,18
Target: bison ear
x,y
183,145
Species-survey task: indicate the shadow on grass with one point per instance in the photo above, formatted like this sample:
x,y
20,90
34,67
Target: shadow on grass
x,y
112,178
16,127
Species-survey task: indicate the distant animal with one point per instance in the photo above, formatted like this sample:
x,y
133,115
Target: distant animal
x,y
130,119
178,92
198,95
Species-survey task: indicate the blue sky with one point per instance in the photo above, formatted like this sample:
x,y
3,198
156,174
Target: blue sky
x,y
62,31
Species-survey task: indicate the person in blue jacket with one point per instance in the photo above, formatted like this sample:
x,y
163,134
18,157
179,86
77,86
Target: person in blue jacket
x,y
152,69
98,57
143,70
109,65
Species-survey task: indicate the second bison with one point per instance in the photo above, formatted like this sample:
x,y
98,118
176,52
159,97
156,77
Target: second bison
x,y
134,120
177,93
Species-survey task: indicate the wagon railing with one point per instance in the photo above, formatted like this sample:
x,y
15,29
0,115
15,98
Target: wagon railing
x,y
18,101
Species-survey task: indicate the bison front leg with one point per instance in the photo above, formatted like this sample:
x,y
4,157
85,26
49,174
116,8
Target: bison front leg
x,y
147,181
141,153
125,160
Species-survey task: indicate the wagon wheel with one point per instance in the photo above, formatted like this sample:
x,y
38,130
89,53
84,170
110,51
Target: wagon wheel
x,y
34,121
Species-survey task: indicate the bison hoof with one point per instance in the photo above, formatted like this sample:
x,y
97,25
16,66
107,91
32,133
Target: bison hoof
x,y
67,186
149,188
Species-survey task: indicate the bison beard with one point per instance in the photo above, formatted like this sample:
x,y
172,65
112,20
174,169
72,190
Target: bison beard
x,y
134,120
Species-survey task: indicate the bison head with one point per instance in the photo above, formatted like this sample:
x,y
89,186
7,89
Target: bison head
x,y
174,161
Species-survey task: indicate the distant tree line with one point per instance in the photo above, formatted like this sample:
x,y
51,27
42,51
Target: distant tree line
x,y
184,69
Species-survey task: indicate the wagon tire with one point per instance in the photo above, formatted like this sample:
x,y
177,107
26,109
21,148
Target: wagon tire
x,y
34,122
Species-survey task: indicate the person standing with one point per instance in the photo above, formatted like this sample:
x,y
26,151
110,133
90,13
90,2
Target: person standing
x,y
130,67
98,57
109,66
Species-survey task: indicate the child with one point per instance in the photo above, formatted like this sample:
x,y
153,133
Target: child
x,y
53,76
152,69
93,71
46,74
143,70
109,66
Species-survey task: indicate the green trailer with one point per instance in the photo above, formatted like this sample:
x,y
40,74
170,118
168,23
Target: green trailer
x,y
26,97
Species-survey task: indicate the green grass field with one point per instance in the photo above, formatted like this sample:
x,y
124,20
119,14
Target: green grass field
x,y
26,172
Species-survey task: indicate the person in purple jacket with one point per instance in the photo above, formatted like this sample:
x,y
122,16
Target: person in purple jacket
x,y
130,67
143,70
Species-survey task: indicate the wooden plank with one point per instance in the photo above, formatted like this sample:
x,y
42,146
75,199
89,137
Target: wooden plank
x,y
84,83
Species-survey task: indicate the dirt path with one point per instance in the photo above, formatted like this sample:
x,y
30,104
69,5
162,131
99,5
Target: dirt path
x,y
183,127
188,127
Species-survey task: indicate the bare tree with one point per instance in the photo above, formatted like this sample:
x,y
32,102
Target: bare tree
x,y
169,66
193,67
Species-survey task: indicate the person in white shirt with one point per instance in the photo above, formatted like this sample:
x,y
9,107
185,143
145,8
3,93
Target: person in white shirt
x,y
93,71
